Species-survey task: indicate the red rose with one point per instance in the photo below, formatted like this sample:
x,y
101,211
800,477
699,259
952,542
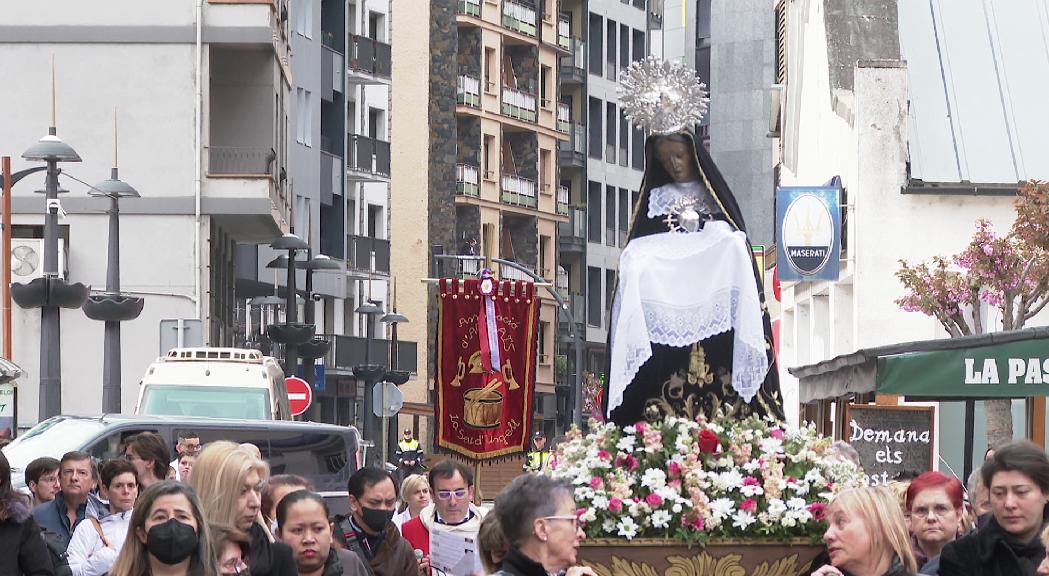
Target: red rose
x,y
708,442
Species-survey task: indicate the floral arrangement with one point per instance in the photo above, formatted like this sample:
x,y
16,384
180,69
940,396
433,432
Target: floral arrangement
x,y
697,480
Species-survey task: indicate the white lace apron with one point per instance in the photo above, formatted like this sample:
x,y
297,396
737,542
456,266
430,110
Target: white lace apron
x,y
678,289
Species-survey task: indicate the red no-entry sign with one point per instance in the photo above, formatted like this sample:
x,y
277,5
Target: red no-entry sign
x,y
300,396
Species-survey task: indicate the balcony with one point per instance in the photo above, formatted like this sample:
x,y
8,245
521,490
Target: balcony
x,y
362,250
349,351
564,118
517,191
519,17
572,152
240,161
655,14
577,307
571,235
573,64
518,104
367,159
564,32
467,180
562,200
368,61
468,91
470,8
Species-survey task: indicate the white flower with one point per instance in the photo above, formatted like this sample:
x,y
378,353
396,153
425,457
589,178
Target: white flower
x,y
742,519
796,504
654,479
626,443
676,508
589,516
608,525
728,480
814,476
752,466
660,519
751,490
771,445
627,528
800,488
668,493
722,508
584,493
600,502
776,508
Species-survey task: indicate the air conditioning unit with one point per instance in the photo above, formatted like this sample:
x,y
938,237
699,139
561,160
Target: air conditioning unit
x,y
27,259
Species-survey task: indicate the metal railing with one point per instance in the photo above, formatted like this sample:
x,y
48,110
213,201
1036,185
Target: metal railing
x,y
360,250
470,7
519,16
561,282
248,160
576,57
467,180
369,56
468,91
349,351
368,155
564,117
576,142
518,104
564,32
518,191
576,225
562,200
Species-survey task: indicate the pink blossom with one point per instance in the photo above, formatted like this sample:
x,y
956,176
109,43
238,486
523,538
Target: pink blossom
x,y
674,483
615,505
818,510
640,427
603,455
695,523
654,500
776,433
751,481
631,462
674,470
748,505
597,483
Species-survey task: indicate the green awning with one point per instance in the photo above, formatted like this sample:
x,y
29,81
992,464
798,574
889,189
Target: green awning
x,y
1012,364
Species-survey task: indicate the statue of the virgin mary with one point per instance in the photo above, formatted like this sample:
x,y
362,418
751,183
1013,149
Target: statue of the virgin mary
x,y
690,333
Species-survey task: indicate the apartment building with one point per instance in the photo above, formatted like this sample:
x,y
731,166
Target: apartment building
x,y
482,77
201,90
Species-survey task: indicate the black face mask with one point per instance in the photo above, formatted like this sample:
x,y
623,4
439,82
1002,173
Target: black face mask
x,y
171,542
376,519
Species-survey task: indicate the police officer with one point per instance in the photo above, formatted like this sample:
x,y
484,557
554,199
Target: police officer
x,y
539,456
409,455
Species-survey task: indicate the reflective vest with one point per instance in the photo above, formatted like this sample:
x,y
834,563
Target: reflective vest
x,y
537,460
408,445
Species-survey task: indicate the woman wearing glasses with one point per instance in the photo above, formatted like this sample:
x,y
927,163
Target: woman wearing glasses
x,y
934,501
537,515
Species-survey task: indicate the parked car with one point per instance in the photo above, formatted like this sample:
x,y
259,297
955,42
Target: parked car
x,y
217,382
324,453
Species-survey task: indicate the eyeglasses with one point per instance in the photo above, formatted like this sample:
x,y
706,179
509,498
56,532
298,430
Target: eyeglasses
x,y
447,494
573,518
940,510
234,567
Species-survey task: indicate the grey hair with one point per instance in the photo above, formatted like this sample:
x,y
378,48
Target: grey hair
x,y
526,498
845,451
972,484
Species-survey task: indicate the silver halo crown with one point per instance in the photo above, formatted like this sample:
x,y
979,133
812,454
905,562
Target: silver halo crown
x,y
662,97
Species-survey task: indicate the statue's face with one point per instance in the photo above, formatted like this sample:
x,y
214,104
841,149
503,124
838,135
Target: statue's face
x,y
676,157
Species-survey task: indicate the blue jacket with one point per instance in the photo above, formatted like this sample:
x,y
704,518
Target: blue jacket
x,y
51,516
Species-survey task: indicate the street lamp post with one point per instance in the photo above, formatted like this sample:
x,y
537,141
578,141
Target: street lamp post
x,y
291,333
317,347
371,373
393,375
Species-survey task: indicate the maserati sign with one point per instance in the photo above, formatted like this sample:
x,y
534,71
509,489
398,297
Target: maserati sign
x,y
808,224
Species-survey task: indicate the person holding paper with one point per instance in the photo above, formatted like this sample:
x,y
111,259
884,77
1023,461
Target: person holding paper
x,y
452,510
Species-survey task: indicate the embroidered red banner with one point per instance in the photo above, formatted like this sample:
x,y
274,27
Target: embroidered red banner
x,y
481,413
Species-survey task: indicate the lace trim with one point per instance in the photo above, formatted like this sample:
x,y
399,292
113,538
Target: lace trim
x,y
667,199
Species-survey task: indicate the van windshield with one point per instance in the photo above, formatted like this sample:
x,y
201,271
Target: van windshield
x,y
208,401
64,435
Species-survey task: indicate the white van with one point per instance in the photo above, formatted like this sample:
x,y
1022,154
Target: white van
x,y
216,382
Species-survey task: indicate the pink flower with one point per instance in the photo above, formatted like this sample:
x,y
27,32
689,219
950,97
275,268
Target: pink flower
x,y
654,500
597,483
604,455
748,505
776,433
695,523
615,505
631,462
674,470
818,510
639,428
751,481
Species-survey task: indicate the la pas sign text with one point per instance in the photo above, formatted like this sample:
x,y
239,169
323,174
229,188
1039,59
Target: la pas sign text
x,y
1021,370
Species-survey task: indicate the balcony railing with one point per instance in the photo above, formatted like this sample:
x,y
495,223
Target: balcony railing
x,y
509,273
562,200
349,351
361,249
519,16
469,91
564,32
575,228
573,150
518,191
368,156
246,160
470,7
564,117
576,57
467,180
370,57
518,104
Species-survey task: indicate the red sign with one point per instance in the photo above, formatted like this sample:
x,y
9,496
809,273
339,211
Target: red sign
x,y
486,340
300,396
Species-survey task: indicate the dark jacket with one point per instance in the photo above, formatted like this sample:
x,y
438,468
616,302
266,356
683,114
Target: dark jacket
x,y
345,563
932,567
22,550
517,564
270,558
992,552
392,556
51,516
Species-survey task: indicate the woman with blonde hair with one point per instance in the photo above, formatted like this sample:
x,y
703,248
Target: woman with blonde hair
x,y
229,479
415,495
867,535
167,535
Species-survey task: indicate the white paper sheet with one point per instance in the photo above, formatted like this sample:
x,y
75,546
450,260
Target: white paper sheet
x,y
454,553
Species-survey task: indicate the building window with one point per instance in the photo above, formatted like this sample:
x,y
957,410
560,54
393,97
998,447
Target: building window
x,y
610,290
610,215
545,176
610,133
639,45
308,135
491,70
544,270
624,214
593,296
376,123
377,26
624,46
545,89
308,24
489,157
624,138
594,128
544,357
596,42
300,115
610,49
637,156
593,212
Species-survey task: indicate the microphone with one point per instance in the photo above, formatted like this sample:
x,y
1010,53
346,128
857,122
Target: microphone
x,y
418,554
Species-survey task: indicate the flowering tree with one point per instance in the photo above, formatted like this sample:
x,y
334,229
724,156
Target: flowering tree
x,y
1009,272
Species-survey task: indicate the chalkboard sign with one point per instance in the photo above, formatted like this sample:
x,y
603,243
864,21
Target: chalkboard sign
x,y
890,439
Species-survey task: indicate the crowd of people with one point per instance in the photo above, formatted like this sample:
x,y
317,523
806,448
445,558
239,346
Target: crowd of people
x,y
215,510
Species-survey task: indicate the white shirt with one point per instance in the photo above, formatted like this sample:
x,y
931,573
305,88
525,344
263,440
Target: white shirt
x,y
88,556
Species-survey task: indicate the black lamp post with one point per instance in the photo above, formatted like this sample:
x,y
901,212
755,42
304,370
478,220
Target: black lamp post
x,y
291,333
393,375
371,373
50,292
